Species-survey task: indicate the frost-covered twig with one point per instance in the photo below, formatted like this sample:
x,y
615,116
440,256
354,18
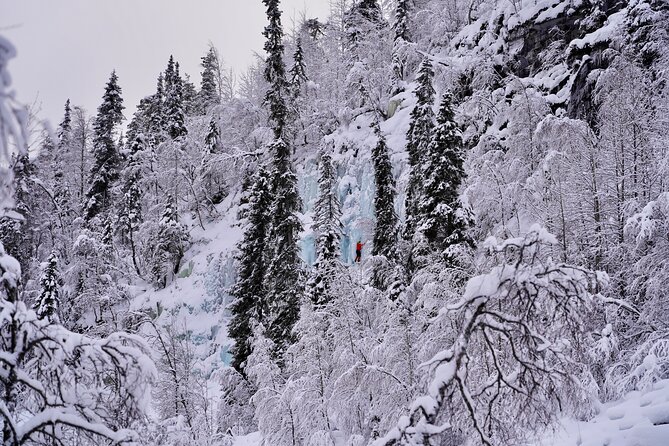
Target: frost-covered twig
x,y
517,344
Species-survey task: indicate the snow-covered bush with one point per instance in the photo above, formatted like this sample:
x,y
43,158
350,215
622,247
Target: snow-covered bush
x,y
516,353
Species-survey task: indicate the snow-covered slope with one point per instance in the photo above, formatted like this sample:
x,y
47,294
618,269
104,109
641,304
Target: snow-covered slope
x,y
195,302
639,419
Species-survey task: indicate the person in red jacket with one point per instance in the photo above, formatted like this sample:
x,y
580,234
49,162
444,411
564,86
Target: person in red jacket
x,y
358,251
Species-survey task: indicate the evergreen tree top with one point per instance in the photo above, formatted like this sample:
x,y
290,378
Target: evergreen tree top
x,y
425,91
110,112
209,85
275,70
169,73
401,25
160,89
298,72
368,10
170,214
327,209
65,126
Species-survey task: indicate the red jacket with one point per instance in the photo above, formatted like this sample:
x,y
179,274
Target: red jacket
x,y
358,246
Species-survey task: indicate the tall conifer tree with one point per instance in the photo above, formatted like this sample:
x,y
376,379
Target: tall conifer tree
x,y
401,29
328,227
418,139
131,206
250,294
65,126
156,113
283,280
298,72
106,156
174,114
209,94
443,220
385,232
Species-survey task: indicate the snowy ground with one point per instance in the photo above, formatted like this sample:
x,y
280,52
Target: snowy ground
x,y
640,419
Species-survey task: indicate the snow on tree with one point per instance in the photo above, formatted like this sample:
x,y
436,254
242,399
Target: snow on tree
x,y
418,140
298,72
105,170
174,101
275,70
442,218
328,227
65,126
235,410
360,19
130,216
47,305
249,291
13,137
209,92
61,187
283,280
156,113
518,346
213,139
168,245
385,232
54,382
18,232
274,408
400,44
37,407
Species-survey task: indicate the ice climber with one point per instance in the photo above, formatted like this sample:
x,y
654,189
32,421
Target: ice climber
x,y
358,251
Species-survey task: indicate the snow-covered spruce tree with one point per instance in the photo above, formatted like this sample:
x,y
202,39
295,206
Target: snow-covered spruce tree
x,y
106,157
37,406
47,305
442,218
130,216
385,231
64,135
61,184
362,17
517,353
284,272
400,44
209,93
65,126
283,280
156,113
419,136
298,72
168,245
366,51
174,101
328,227
249,291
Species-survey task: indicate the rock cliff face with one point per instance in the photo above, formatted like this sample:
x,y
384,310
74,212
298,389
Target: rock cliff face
x,y
561,46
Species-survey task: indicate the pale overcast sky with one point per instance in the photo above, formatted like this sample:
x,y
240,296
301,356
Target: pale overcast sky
x,y
68,48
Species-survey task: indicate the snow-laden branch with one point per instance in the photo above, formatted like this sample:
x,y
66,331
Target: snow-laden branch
x,y
519,330
53,377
